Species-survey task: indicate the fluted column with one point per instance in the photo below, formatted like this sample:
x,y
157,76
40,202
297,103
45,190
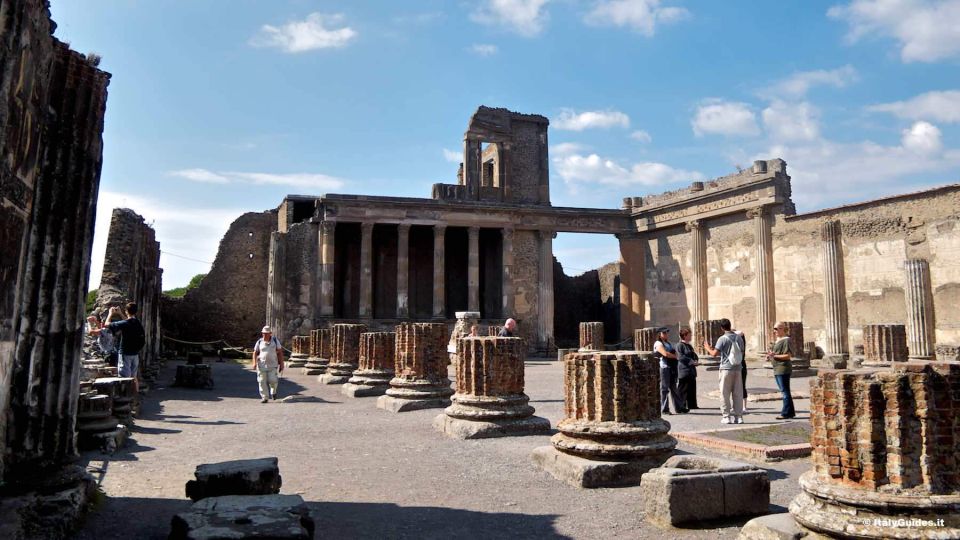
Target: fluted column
x,y
366,270
507,279
766,301
545,293
919,296
327,229
699,246
473,270
439,272
834,295
403,271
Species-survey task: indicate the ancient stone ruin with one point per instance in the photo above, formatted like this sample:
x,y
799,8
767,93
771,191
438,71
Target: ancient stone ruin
x,y
320,343
591,336
706,331
884,344
644,338
489,399
344,353
376,368
420,381
613,432
300,351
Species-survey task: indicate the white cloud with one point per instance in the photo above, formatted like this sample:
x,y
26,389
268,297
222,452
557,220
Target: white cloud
x,y
797,85
299,180
484,49
317,31
452,156
940,106
640,15
525,17
193,232
791,121
566,148
642,136
922,138
592,169
927,30
724,118
571,120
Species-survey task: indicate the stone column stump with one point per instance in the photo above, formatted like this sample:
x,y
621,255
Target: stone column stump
x,y
120,389
465,319
644,338
300,347
613,432
421,379
489,401
97,428
345,353
494,330
316,363
591,336
709,331
377,361
884,344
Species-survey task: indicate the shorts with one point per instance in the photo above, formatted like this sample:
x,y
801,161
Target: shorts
x,y
128,365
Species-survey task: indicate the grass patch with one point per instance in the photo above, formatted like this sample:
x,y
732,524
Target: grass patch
x,y
780,434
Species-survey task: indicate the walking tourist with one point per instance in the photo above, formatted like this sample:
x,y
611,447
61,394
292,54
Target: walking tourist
x,y
729,348
780,358
268,361
687,371
132,338
743,370
509,329
666,353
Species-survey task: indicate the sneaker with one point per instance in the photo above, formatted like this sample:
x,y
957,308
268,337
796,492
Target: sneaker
x,y
725,420
738,420
782,417
273,396
665,412
264,400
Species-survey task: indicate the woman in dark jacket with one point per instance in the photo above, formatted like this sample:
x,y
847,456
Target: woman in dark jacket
x,y
688,361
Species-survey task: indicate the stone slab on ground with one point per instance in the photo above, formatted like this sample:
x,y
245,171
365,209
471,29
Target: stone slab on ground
x,y
239,477
708,440
328,378
277,517
392,404
587,473
696,488
468,429
363,390
776,527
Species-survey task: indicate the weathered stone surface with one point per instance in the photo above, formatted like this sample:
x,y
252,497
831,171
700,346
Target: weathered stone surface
x,y
376,368
697,488
612,410
120,389
300,351
53,509
465,320
885,449
319,345
489,401
194,376
273,517
591,336
644,338
776,527
344,353
240,477
884,344
420,380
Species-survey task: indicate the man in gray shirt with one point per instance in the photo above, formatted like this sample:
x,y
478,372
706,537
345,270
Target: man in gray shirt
x,y
730,348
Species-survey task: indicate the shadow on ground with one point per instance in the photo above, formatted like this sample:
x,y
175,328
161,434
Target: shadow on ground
x,y
230,379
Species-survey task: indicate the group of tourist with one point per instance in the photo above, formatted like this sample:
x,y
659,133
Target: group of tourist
x,y
120,339
678,371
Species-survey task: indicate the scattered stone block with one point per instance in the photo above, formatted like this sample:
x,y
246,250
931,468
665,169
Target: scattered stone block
x,y
274,517
194,376
693,488
239,477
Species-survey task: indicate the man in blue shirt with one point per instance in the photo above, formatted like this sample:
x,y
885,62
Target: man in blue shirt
x,y
132,337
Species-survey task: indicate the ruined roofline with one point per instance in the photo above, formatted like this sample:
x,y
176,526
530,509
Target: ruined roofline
x,y
881,200
334,197
525,117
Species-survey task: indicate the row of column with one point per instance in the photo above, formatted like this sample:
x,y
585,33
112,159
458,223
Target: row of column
x,y
326,263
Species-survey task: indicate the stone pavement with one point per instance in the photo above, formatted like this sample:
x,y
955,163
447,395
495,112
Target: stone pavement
x,y
366,473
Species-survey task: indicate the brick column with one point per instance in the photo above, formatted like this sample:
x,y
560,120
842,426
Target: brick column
x,y
834,296
709,331
507,280
327,229
545,293
403,271
632,282
345,353
698,235
884,344
766,301
376,364
644,338
591,336
439,272
316,363
473,269
366,270
919,297
421,379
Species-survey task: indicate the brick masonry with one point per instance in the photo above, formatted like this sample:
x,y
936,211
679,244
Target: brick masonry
x,y
884,343
591,336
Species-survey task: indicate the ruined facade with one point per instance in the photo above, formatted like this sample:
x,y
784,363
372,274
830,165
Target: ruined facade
x,y
131,273
52,104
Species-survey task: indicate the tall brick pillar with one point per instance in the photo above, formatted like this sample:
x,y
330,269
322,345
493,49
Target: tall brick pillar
x,y
403,271
919,297
834,294
420,381
613,432
489,401
327,229
884,450
545,294
345,353
377,362
632,282
439,272
473,269
701,308
766,301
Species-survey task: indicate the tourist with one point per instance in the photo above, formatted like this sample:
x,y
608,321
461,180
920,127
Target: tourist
x,y
132,338
665,352
268,361
509,329
105,339
743,371
729,348
687,371
780,358
474,331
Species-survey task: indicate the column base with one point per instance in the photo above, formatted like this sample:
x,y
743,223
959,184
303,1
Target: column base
x,y
777,527
393,404
313,371
330,378
363,390
587,473
469,429
831,361
54,505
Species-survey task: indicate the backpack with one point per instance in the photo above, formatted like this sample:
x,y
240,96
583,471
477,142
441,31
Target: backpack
x,y
273,339
736,351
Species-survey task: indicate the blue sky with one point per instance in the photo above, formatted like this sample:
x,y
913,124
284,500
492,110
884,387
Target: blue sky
x,y
219,107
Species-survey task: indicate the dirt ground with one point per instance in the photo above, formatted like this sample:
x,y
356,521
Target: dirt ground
x,y
368,473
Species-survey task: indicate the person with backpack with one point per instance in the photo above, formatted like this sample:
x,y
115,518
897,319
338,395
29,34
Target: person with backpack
x,y
130,339
730,348
268,361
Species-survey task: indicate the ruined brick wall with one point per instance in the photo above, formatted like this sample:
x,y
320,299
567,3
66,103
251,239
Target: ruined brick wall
x,y
229,303
301,280
578,300
528,160
52,102
131,273
526,262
